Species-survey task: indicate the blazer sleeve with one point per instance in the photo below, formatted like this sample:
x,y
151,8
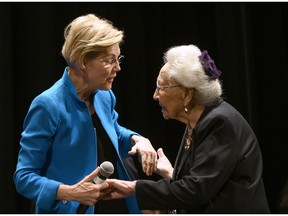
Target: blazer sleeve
x,y
208,166
35,143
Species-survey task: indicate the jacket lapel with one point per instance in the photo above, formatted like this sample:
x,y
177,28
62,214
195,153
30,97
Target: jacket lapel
x,y
182,156
106,121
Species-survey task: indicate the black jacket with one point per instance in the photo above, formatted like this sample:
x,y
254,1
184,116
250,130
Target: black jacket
x,y
220,173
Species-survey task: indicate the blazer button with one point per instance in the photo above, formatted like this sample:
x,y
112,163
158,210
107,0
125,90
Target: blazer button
x,y
64,202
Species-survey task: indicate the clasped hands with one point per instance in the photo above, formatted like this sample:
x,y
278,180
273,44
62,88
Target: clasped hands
x,y
88,193
118,189
149,160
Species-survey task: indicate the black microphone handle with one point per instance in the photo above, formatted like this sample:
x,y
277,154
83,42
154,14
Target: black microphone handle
x,y
106,169
82,209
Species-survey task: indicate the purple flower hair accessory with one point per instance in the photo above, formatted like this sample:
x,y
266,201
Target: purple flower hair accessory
x,y
209,65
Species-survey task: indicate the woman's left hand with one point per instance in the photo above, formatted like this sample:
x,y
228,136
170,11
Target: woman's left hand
x,y
148,154
164,167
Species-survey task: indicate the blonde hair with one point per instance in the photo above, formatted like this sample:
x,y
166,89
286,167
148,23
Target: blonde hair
x,y
86,37
185,68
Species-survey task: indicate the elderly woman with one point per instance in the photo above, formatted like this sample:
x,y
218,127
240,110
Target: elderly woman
x,y
71,128
219,165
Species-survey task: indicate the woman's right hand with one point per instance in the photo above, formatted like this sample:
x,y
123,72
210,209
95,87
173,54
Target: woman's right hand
x,y
85,191
164,167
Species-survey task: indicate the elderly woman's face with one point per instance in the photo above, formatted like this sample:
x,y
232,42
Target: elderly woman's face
x,y
99,72
169,95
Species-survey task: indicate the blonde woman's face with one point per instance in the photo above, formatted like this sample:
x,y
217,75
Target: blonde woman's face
x,y
99,73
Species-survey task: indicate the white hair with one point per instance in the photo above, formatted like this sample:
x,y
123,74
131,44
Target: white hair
x,y
185,68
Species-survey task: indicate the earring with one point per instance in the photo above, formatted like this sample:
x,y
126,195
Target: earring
x,y
186,110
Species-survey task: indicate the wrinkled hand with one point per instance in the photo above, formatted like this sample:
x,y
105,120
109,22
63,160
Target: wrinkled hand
x,y
147,153
120,189
85,191
164,167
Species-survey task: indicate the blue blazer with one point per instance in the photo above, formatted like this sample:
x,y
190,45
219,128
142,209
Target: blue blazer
x,y
58,145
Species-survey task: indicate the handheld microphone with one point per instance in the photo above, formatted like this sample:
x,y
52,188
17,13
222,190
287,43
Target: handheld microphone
x,y
106,169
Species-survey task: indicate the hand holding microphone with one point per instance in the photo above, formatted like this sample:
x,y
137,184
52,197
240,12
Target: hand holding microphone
x,y
106,169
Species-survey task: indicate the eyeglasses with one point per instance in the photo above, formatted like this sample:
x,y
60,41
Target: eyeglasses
x,y
112,62
159,87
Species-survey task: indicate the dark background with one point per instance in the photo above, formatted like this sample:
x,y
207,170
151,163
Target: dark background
x,y
248,41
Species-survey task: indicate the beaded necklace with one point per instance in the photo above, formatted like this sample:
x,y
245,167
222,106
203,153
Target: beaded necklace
x,y
188,139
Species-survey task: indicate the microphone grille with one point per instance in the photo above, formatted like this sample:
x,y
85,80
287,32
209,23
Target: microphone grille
x,y
106,168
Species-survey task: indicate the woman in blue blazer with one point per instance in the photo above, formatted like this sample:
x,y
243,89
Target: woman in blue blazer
x,y
71,128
